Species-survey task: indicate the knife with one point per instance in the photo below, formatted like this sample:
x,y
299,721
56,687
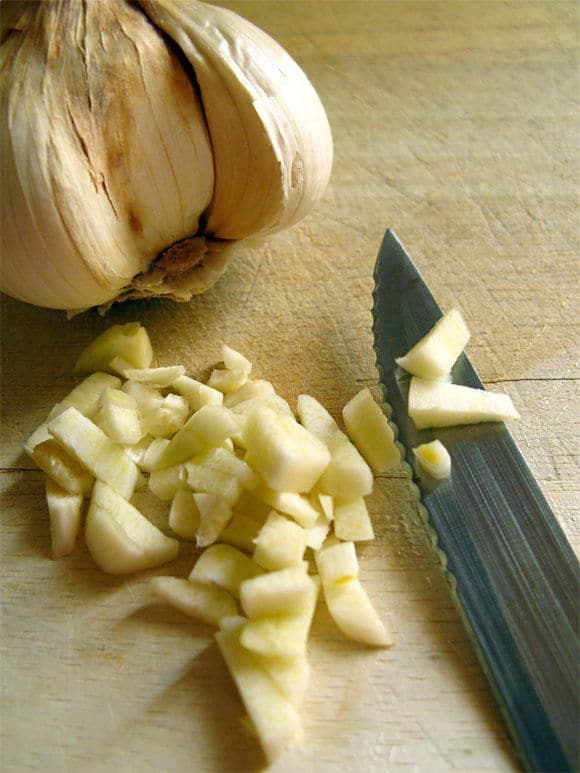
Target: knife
x,y
511,571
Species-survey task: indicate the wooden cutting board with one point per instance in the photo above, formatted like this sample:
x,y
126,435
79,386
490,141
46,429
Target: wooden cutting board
x,y
456,124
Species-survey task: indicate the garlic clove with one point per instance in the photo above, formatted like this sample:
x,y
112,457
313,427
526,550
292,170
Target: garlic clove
x,y
270,135
105,153
41,263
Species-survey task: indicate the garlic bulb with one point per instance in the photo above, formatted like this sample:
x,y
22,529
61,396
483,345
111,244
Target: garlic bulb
x,y
140,144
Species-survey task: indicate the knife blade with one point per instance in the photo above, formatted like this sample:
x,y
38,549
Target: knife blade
x,y
511,570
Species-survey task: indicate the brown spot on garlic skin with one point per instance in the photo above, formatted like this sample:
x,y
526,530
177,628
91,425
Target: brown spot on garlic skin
x,y
135,223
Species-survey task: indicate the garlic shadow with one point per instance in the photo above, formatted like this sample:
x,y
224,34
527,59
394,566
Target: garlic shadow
x,y
206,694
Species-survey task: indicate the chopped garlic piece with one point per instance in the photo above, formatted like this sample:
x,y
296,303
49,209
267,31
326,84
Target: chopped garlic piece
x,y
352,520
157,377
287,456
225,566
347,600
203,600
226,380
233,360
65,510
63,468
184,516
282,633
434,355
439,404
371,432
434,458
280,543
95,451
282,591
276,720
118,417
337,562
251,389
129,342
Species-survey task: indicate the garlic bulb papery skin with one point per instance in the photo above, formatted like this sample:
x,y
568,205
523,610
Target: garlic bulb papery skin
x,y
138,144
270,134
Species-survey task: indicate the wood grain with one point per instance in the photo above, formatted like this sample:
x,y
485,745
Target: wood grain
x,y
456,124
